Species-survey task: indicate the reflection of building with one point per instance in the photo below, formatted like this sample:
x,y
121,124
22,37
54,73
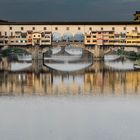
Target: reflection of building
x,y
92,83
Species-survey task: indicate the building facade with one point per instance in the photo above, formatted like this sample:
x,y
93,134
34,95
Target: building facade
x,y
137,16
44,33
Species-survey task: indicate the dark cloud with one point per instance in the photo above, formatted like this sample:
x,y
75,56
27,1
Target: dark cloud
x,y
64,10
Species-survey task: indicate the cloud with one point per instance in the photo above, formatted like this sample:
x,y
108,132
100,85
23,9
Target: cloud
x,y
75,10
130,1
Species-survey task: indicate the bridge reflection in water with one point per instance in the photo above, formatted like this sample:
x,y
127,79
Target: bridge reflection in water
x,y
99,78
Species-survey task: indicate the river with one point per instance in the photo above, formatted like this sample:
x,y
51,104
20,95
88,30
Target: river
x,y
75,99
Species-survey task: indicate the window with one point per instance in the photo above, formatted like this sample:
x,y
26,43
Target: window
x,y
5,33
22,28
93,32
34,35
42,35
38,35
56,28
33,28
124,28
45,28
88,36
102,28
79,28
47,36
11,33
67,28
0,33
136,28
10,28
90,28
113,28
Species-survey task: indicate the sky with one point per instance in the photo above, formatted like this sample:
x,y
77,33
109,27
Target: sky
x,y
68,10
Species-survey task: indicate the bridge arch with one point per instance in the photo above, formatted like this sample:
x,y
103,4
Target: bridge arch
x,y
19,49
79,37
67,36
56,36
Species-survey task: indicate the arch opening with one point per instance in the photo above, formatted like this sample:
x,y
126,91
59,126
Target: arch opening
x,y
56,37
68,36
79,37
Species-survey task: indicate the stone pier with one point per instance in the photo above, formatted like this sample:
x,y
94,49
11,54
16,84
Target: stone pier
x,y
98,53
37,54
37,65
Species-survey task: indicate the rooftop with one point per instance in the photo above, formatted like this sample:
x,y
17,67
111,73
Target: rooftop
x,y
2,22
137,12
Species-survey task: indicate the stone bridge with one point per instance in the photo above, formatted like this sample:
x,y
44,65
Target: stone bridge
x,y
37,51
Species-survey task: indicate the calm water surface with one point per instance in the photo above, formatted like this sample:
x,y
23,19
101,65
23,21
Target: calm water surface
x,y
75,99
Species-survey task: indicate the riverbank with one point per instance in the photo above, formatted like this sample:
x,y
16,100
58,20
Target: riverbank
x,y
130,55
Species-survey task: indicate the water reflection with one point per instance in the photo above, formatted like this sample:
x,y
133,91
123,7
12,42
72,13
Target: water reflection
x,y
79,117
120,65
100,78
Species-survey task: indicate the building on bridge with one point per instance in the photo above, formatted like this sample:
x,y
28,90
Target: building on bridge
x,y
92,38
111,38
137,16
45,33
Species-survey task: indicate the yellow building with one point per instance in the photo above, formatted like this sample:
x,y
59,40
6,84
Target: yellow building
x,y
99,38
133,39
